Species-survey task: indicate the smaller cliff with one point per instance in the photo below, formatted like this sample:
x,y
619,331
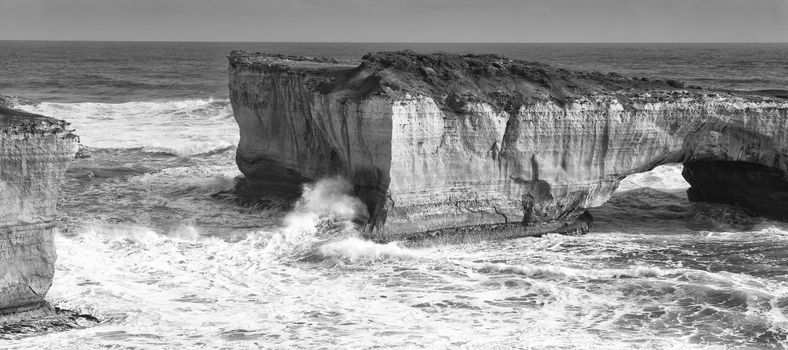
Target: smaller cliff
x,y
7,101
444,146
34,153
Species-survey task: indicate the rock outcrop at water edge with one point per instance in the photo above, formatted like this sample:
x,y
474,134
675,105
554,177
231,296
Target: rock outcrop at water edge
x,y
445,147
34,154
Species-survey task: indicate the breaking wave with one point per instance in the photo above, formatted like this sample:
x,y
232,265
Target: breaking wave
x,y
310,273
322,222
182,128
146,249
147,252
666,178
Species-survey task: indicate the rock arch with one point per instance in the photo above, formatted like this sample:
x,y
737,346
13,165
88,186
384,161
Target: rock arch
x,y
447,147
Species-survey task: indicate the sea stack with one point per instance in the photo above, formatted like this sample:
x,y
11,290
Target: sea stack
x,y
34,153
448,147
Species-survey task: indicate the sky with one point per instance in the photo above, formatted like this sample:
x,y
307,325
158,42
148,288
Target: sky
x,y
397,20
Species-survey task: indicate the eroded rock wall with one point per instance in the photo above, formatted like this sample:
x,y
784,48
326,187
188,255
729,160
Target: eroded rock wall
x,y
425,164
34,154
289,135
549,162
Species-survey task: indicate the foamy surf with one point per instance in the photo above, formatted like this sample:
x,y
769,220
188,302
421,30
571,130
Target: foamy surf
x,y
163,265
302,281
182,128
356,249
163,256
666,178
603,288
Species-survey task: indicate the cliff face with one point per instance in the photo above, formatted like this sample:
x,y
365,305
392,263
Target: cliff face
x,y
444,145
34,154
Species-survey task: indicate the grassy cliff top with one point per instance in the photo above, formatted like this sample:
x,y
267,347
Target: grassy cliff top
x,y
14,121
281,62
453,79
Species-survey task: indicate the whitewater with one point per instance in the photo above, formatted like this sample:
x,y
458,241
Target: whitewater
x,y
147,246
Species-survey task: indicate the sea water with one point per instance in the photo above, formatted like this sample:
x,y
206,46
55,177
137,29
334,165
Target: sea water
x,y
144,247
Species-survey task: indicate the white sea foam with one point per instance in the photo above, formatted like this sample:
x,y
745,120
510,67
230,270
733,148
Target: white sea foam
x,y
219,294
280,287
323,220
185,285
767,231
209,178
134,278
180,127
356,249
778,314
667,178
325,208
563,272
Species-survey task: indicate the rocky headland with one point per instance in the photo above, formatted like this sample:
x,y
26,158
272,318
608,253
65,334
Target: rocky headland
x,y
34,153
445,147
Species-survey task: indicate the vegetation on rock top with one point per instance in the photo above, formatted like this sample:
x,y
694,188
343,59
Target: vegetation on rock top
x,y
454,80
15,121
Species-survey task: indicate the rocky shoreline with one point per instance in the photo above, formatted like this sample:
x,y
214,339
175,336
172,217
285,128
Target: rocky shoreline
x,y
441,144
40,318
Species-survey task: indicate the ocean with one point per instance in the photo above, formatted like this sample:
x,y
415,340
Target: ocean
x,y
144,246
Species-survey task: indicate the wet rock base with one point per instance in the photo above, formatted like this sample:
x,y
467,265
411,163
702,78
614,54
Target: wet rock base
x,y
472,234
41,318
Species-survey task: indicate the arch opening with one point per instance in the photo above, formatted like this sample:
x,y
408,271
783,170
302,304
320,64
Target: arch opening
x,y
695,195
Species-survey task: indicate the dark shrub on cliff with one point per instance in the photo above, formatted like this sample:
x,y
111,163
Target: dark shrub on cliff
x,y
675,84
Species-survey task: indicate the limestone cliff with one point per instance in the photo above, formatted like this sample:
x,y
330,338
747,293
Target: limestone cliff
x,y
443,145
34,153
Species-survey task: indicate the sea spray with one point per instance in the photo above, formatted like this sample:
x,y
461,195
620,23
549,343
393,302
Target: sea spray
x,y
324,218
355,249
294,279
326,209
154,287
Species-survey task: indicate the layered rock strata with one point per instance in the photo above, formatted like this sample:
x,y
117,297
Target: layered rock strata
x,y
34,154
444,146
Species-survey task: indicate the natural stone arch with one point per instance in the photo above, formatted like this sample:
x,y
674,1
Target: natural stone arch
x,y
445,146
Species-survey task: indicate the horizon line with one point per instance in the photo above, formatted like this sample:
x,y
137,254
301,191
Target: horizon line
x,y
402,42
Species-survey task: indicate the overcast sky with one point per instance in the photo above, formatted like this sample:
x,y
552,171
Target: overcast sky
x,y
398,20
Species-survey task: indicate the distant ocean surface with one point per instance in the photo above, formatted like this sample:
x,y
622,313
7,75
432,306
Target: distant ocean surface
x,y
144,246
163,71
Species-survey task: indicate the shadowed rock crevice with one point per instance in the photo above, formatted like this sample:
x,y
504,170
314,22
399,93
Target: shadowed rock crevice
x,y
445,146
759,188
